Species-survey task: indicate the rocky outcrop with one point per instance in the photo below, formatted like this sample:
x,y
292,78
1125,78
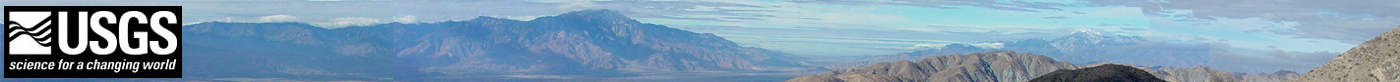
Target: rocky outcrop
x,y
1377,60
1220,76
1279,76
1173,74
1104,73
995,66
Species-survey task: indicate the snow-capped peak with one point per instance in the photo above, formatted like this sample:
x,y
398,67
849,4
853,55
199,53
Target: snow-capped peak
x,y
1087,32
1091,37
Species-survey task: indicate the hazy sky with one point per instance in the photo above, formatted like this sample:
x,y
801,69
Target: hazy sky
x,y
1254,31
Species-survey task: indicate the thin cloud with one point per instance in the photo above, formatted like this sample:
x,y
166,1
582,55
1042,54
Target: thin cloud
x,y
1311,57
1350,21
406,19
277,18
349,21
1022,6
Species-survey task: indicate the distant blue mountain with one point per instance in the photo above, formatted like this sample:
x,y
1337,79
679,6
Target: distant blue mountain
x,y
579,42
588,42
1085,47
286,50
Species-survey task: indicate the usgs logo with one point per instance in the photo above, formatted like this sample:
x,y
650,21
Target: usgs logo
x,y
36,25
92,41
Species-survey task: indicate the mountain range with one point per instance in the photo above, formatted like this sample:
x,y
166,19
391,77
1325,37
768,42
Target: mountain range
x,y
1083,47
587,42
604,43
574,42
1009,66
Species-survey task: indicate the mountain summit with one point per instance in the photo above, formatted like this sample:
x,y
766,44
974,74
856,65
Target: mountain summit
x,y
1377,60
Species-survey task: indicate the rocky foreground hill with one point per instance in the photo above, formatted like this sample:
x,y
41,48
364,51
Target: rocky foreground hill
x,y
1206,74
1377,60
1008,66
1105,73
995,66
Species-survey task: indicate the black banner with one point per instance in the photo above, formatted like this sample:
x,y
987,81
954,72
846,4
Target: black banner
x,y
152,36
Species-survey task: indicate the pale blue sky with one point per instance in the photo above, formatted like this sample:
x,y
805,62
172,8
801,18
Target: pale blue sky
x,y
1300,31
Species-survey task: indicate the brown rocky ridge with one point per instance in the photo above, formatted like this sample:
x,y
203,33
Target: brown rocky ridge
x,y
1374,61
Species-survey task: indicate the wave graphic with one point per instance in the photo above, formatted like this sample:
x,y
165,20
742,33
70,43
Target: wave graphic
x,y
40,32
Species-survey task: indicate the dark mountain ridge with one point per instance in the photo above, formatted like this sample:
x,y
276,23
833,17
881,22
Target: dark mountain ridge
x,y
1103,73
